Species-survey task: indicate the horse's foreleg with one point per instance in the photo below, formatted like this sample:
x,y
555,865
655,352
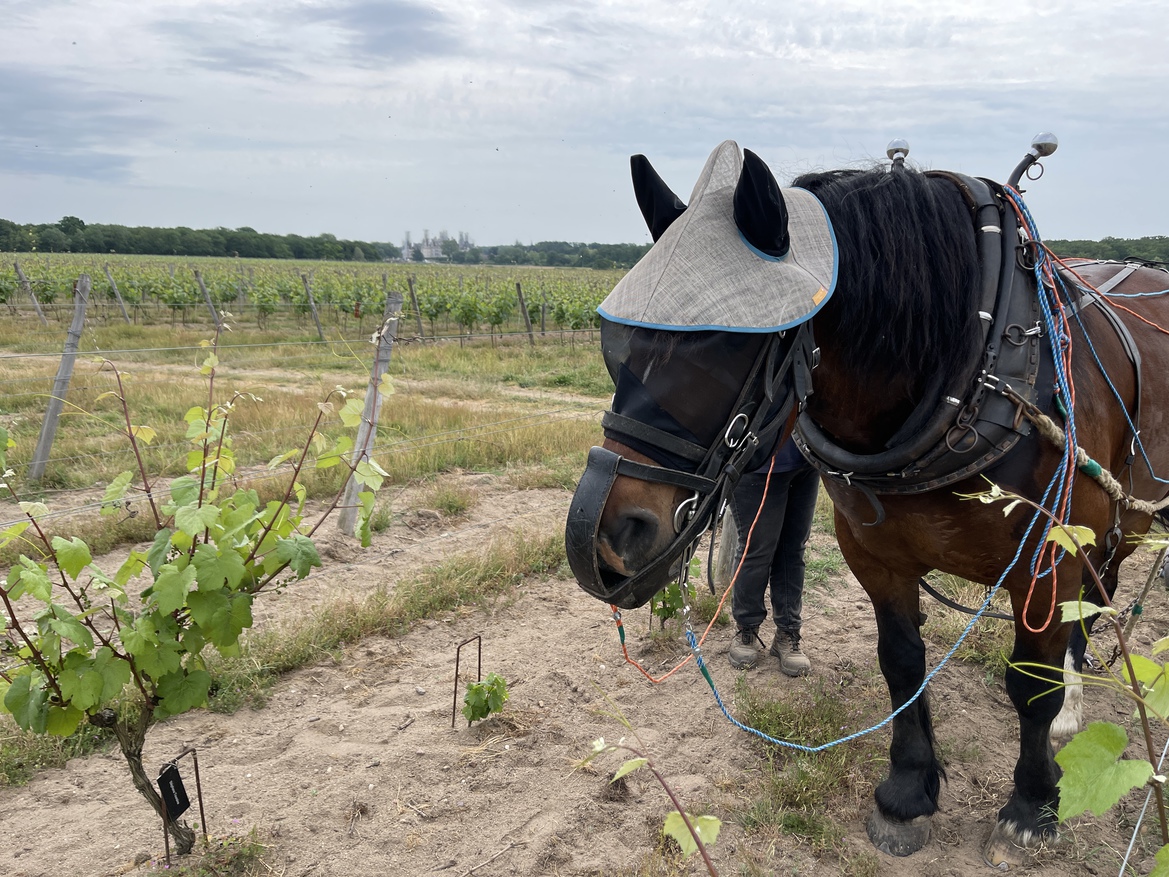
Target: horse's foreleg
x,y
908,797
1034,682
1070,718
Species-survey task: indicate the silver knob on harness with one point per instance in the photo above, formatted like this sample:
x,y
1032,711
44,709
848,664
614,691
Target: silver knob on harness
x,y
898,151
1042,145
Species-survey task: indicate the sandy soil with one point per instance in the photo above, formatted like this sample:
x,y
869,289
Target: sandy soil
x,y
354,768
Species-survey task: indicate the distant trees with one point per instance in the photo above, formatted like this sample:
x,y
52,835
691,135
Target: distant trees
x,y
1153,249
71,234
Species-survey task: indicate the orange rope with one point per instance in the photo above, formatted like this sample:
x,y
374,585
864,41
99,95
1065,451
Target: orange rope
x,y
1048,554
718,610
1105,295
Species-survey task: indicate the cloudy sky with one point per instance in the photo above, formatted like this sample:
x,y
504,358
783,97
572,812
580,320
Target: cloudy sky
x,y
514,119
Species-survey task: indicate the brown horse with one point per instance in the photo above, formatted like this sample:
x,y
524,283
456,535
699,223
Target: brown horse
x,y
934,360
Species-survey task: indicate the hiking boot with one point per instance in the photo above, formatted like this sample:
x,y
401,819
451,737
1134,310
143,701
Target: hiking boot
x,y
744,649
792,661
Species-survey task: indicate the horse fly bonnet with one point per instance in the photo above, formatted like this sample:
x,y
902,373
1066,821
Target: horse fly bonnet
x,y
713,299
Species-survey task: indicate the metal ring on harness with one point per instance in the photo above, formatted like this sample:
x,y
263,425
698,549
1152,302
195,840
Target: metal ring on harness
x,y
958,433
736,429
684,512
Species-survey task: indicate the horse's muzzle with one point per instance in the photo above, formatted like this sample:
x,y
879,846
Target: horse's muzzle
x,y
583,541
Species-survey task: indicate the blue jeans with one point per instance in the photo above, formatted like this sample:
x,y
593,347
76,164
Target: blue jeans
x,y
776,553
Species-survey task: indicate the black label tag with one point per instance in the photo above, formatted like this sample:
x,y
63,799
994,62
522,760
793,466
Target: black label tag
x,y
170,786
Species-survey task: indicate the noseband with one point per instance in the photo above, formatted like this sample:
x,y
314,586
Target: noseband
x,y
781,364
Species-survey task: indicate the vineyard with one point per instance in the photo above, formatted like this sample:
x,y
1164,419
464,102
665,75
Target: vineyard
x,y
439,301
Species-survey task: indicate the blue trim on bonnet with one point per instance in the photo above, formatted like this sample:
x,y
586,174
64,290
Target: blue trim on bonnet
x,y
767,257
713,327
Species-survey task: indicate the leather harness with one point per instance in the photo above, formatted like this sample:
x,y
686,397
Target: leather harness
x,y
967,427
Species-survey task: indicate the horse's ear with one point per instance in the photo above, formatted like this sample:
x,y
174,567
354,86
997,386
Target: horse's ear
x,y
658,204
760,213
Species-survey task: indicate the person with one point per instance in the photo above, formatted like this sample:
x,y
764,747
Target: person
x,y
774,556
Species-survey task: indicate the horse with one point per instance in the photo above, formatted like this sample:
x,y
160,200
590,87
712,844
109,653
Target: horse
x,y
916,368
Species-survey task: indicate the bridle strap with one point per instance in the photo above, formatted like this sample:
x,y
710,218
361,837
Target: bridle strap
x,y
651,435
666,476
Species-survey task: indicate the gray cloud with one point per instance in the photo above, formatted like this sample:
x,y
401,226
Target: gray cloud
x,y
57,126
214,46
395,33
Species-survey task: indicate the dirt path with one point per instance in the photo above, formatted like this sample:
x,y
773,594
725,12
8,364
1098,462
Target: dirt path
x,y
353,768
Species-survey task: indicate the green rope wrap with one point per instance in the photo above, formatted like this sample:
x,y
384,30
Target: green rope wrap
x,y
1051,431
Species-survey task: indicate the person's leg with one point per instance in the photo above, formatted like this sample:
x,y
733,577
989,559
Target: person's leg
x,y
787,570
748,606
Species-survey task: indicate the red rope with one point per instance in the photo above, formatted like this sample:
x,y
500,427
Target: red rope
x,y
718,610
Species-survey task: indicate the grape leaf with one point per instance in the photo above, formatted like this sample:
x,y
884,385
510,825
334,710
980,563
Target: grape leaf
x,y
629,767
181,691
299,553
63,721
171,586
214,569
1094,776
72,555
707,828
193,520
1161,869
28,704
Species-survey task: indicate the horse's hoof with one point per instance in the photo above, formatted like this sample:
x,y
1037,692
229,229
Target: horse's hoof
x,y
897,838
1005,849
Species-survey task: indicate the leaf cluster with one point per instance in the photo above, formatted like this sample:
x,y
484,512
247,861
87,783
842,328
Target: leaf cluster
x,y
482,699
73,637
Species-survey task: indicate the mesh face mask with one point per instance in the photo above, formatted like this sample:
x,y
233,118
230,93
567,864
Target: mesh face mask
x,y
683,383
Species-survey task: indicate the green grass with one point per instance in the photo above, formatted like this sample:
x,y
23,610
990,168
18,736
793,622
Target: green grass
x,y
475,579
806,795
988,645
452,499
23,753
232,856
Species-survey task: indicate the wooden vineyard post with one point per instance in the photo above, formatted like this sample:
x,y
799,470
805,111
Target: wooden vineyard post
x,y
44,446
312,305
117,295
367,431
414,303
207,298
519,292
28,288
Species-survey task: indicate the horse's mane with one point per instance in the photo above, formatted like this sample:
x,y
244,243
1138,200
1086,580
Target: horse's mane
x,y
908,283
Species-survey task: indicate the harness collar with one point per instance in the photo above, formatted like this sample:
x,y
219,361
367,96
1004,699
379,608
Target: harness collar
x,y
964,428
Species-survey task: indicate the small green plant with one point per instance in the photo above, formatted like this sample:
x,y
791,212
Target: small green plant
x,y
484,698
80,645
670,602
692,833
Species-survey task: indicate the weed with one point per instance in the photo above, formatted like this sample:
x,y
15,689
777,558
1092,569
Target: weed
x,y
222,857
799,790
381,518
452,499
990,642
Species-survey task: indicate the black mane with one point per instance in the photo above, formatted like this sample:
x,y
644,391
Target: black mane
x,y
907,291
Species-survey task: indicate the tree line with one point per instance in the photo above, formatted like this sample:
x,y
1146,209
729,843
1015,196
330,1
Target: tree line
x,y
72,235
1149,249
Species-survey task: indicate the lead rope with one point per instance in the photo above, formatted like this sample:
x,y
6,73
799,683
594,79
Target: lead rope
x,y
683,586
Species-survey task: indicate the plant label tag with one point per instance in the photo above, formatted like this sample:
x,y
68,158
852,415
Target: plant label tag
x,y
170,786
